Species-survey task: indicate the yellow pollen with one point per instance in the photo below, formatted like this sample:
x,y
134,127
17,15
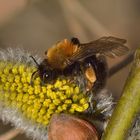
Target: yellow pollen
x,y
38,102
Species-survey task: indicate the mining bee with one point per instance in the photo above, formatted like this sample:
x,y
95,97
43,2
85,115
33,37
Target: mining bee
x,y
71,58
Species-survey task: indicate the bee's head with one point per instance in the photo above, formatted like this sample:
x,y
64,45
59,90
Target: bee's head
x,y
45,73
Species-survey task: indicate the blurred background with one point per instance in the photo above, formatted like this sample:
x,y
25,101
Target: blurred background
x,y
35,25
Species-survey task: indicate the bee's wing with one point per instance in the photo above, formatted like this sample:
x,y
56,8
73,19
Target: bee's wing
x,y
108,46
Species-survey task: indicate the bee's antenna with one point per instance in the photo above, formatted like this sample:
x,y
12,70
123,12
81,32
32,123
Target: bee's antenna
x,y
34,60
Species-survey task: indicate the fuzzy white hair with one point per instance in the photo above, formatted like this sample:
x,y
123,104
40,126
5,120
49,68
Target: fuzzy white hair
x,y
134,133
18,55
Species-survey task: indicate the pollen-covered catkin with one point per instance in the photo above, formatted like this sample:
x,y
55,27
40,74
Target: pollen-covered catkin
x,y
30,107
38,102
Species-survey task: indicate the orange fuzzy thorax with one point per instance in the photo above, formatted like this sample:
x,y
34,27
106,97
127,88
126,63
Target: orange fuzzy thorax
x,y
58,53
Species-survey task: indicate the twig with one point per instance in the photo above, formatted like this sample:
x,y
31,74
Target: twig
x,y
86,17
10,134
128,106
114,69
73,23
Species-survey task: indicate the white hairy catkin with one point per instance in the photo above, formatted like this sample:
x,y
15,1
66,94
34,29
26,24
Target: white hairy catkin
x,y
15,117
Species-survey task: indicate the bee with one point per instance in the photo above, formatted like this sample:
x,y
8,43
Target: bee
x,y
71,58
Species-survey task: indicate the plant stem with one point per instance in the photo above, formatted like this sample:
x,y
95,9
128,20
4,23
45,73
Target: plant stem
x,y
10,134
128,105
114,69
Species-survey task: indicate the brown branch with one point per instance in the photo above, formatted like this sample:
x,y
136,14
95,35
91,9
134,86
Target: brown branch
x,y
10,134
114,69
77,10
73,23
